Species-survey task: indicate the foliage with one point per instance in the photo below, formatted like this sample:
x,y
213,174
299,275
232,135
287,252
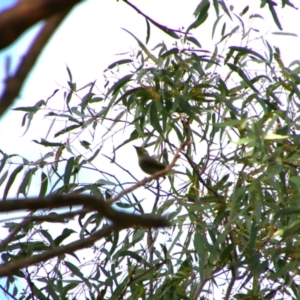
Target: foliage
x,y
235,211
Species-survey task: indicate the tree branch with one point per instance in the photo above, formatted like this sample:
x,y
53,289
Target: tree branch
x,y
119,218
13,84
17,19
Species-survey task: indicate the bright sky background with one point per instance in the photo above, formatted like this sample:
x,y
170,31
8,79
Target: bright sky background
x,y
91,38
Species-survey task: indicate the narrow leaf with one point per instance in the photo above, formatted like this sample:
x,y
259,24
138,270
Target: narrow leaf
x,y
68,170
67,129
274,15
202,15
285,33
48,144
244,50
148,31
143,47
3,161
116,86
23,189
243,76
44,185
3,177
119,62
193,40
11,180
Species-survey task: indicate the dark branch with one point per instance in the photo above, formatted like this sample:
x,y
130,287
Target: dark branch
x,y
119,218
14,83
17,19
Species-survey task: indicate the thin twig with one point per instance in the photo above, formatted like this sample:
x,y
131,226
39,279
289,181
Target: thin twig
x,y
151,20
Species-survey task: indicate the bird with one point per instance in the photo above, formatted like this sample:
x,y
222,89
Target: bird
x,y
148,164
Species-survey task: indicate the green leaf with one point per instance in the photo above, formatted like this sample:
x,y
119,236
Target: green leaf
x,y
133,255
245,10
287,211
94,155
23,189
148,31
202,12
143,47
274,15
260,268
116,86
290,231
104,182
75,111
70,74
119,62
285,33
45,143
115,240
67,129
243,76
193,40
68,170
69,117
3,161
224,124
169,52
216,6
223,5
44,185
256,16
73,269
41,161
245,51
225,254
153,116
3,177
11,180
72,90
273,136
234,30
165,29
32,109
96,99
85,144
200,250
47,236
70,286
65,234
213,59
215,26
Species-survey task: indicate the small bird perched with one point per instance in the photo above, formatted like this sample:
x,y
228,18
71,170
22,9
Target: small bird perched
x,y
147,163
